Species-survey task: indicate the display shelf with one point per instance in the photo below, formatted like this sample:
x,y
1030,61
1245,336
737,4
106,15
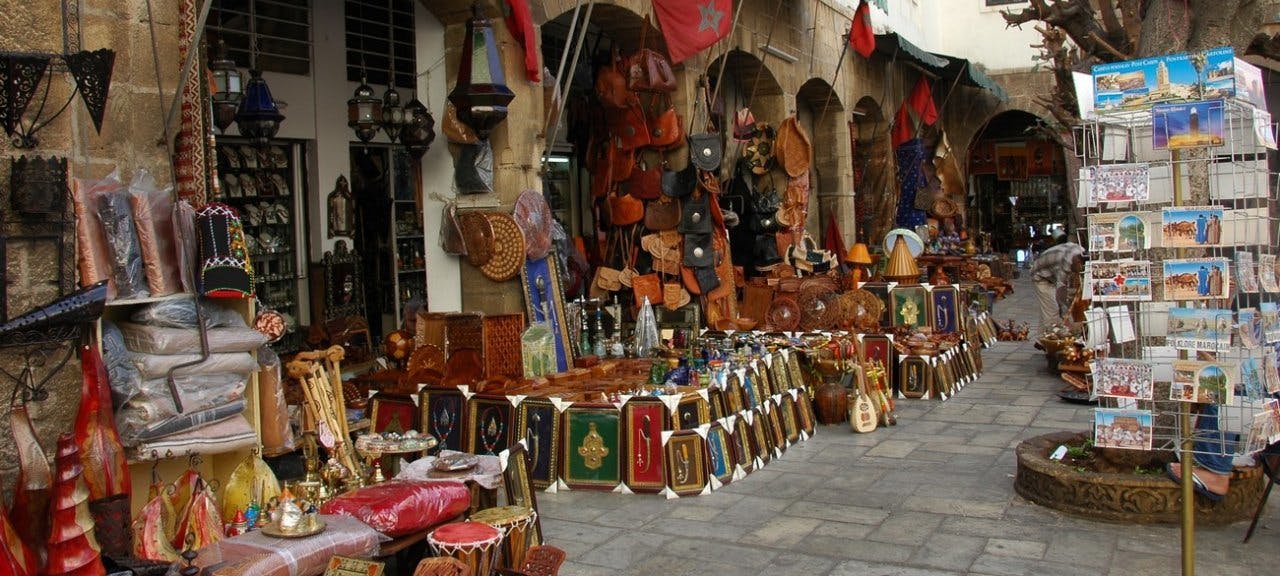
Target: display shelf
x,y
409,238
278,215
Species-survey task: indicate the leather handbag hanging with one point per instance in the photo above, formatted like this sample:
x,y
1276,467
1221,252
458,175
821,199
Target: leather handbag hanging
x,y
451,232
626,209
679,183
665,130
611,86
662,214
647,286
695,214
647,70
706,151
621,161
630,127
645,182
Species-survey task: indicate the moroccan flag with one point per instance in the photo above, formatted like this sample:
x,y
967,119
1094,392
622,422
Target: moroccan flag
x,y
902,128
861,37
691,26
921,101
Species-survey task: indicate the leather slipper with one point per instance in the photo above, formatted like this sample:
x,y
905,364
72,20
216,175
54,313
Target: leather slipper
x,y
1197,484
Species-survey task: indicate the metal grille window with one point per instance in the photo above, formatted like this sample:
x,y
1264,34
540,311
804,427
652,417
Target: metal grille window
x,y
371,26
279,31
1004,2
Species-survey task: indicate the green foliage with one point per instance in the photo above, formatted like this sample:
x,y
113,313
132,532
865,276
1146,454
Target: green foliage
x,y
1083,451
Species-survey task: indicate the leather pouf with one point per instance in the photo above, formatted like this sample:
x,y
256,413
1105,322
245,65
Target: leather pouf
x,y
832,403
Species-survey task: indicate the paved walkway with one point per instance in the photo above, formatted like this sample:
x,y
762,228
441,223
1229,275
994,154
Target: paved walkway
x,y
931,496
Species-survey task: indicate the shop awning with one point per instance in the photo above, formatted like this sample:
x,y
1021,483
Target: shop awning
x,y
892,45
971,75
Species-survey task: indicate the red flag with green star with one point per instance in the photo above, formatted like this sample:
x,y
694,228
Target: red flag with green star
x,y
691,26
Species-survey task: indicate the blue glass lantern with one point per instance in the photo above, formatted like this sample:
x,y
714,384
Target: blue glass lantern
x,y
258,116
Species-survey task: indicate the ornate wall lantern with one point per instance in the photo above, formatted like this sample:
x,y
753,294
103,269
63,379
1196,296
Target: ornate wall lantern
x,y
228,88
419,129
481,94
364,111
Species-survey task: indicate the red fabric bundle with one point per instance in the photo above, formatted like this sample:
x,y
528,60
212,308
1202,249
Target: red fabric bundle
x,y
400,507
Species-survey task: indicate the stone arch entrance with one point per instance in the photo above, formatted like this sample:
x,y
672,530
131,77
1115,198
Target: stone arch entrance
x,y
873,178
748,82
820,111
1019,192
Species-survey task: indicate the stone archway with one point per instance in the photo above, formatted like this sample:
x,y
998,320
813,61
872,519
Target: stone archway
x,y
873,171
820,111
749,82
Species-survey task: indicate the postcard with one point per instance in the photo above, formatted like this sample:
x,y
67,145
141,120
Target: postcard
x,y
1098,329
1141,82
1119,281
1270,322
1250,386
1200,328
1263,130
1188,125
1203,382
1196,279
1121,324
1122,378
1246,272
1118,428
1249,327
1267,273
1271,370
1191,226
1117,183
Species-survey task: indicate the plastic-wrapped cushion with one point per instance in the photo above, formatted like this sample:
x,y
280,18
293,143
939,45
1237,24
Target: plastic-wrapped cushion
x,y
153,217
189,420
123,374
91,245
224,436
157,365
116,216
161,340
181,313
145,404
261,555
399,507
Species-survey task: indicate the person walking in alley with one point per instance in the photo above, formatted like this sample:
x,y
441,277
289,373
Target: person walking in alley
x,y
1052,269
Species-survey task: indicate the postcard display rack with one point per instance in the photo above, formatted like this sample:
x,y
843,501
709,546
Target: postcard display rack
x,y
1183,294
265,186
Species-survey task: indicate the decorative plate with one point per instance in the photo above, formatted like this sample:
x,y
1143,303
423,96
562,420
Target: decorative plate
x,y
455,462
508,248
478,236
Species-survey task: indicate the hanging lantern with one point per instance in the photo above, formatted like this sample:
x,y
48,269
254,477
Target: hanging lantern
x,y
419,129
258,116
364,112
481,94
228,88
393,114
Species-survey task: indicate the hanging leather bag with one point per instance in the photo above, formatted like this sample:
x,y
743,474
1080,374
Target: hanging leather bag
x,y
647,286
648,70
630,127
611,86
665,130
645,182
706,151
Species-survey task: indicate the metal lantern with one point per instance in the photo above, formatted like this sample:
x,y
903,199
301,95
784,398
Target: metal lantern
x,y
481,94
419,128
364,112
393,114
228,89
258,116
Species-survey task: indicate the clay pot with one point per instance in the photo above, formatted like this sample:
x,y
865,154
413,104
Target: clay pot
x,y
832,403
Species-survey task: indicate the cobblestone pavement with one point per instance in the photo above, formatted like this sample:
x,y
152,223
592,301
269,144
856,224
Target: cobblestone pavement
x,y
931,496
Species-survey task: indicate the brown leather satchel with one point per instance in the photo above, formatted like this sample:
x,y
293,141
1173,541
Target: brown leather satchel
x,y
645,182
662,214
626,209
621,161
665,131
630,127
611,86
649,71
647,286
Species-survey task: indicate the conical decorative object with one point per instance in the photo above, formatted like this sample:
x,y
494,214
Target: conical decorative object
x,y
15,557
152,527
71,546
199,524
79,307
902,266
29,515
92,71
481,94
102,455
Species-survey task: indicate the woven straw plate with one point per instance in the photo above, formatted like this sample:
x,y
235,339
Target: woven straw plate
x,y
508,248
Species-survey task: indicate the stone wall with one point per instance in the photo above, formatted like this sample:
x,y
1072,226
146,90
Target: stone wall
x,y
131,139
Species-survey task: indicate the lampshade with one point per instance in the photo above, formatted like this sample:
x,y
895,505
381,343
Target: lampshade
x,y
419,128
481,94
258,117
902,266
364,112
228,89
858,254
393,116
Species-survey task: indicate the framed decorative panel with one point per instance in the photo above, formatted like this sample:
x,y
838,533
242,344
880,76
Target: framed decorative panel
x,y
735,393
591,447
686,463
720,449
914,377
909,305
755,388
944,312
539,422
691,412
393,413
881,291
804,411
762,441
779,374
744,444
879,348
544,302
795,374
790,420
442,415
716,401
773,425
519,486
642,424
490,420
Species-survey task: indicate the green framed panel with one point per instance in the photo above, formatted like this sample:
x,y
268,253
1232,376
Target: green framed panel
x,y
591,450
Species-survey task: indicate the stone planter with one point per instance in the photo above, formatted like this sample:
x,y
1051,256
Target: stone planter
x,y
1128,498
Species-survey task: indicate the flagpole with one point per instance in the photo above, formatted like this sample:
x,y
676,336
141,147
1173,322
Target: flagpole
x,y
832,89
573,68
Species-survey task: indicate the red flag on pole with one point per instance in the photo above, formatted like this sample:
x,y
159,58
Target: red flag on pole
x,y
691,26
861,36
921,101
902,128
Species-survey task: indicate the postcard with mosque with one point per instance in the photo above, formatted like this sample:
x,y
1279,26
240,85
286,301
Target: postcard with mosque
x,y
1122,428
1191,226
1119,281
1187,125
1203,382
1270,322
1196,279
1122,378
1200,328
1249,327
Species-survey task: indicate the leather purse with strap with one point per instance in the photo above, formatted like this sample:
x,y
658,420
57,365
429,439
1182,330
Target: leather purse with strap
x,y
706,151
611,85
